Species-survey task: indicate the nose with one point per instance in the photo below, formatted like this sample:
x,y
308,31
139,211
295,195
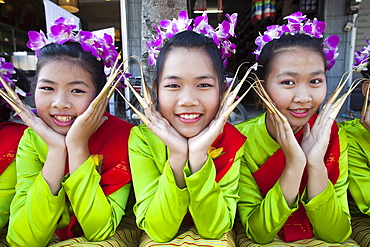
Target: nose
x,y
61,101
302,94
188,97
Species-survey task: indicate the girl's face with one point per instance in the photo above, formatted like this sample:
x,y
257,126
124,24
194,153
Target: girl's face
x,y
63,92
297,84
188,91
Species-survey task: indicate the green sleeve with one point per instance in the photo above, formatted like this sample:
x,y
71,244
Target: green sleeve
x,y
35,211
328,212
213,205
359,164
8,180
98,215
160,205
263,217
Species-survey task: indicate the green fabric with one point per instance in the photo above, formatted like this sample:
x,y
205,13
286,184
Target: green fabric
x,y
161,206
7,190
36,212
358,165
263,217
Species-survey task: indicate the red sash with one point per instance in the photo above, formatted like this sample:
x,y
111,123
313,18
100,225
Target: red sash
x,y
298,225
231,140
11,133
110,141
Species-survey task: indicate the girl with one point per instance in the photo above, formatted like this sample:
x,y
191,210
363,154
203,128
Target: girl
x,y
178,183
10,134
70,175
358,134
293,184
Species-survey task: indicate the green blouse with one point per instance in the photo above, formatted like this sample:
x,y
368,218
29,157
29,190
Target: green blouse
x,y
36,213
358,165
7,184
263,217
161,206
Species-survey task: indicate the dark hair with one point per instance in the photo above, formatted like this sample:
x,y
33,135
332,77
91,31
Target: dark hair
x,y
190,39
285,42
73,53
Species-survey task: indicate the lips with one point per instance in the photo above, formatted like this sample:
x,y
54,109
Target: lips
x,y
299,112
189,117
63,120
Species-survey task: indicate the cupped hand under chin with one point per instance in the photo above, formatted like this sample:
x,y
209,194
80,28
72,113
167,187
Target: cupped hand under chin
x,y
52,138
86,124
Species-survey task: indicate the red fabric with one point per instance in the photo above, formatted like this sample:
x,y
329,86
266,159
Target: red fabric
x,y
231,140
298,226
110,141
11,133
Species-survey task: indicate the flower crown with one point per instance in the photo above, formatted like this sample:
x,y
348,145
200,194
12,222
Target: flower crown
x,y
6,72
299,24
61,31
220,35
362,58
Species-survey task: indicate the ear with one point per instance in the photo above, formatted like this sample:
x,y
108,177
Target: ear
x,y
154,88
365,85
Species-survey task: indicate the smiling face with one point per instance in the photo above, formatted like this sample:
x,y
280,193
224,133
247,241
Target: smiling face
x,y
63,92
297,84
188,91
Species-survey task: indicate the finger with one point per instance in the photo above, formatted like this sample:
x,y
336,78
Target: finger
x,y
306,131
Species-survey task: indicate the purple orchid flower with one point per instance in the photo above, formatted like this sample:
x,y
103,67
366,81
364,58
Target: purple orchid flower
x,y
37,41
330,47
296,17
172,27
61,33
65,22
362,58
233,20
89,43
314,28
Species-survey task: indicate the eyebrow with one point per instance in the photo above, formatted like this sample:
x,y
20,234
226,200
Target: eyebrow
x,y
69,83
198,78
318,72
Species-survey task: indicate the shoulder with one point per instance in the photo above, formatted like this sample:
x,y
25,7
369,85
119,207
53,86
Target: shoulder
x,y
252,124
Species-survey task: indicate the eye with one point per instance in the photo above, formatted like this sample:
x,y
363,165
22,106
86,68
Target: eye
x,y
288,83
172,85
77,91
205,85
46,88
316,81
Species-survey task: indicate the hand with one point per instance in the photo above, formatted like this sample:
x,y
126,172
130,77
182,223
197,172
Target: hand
x,y
50,137
291,176
199,144
177,144
283,134
54,167
316,140
86,124
78,136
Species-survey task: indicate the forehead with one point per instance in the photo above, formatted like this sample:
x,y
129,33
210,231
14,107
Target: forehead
x,y
297,59
188,60
64,71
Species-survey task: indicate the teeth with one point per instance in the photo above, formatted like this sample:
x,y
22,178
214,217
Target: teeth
x,y
300,111
64,118
189,116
